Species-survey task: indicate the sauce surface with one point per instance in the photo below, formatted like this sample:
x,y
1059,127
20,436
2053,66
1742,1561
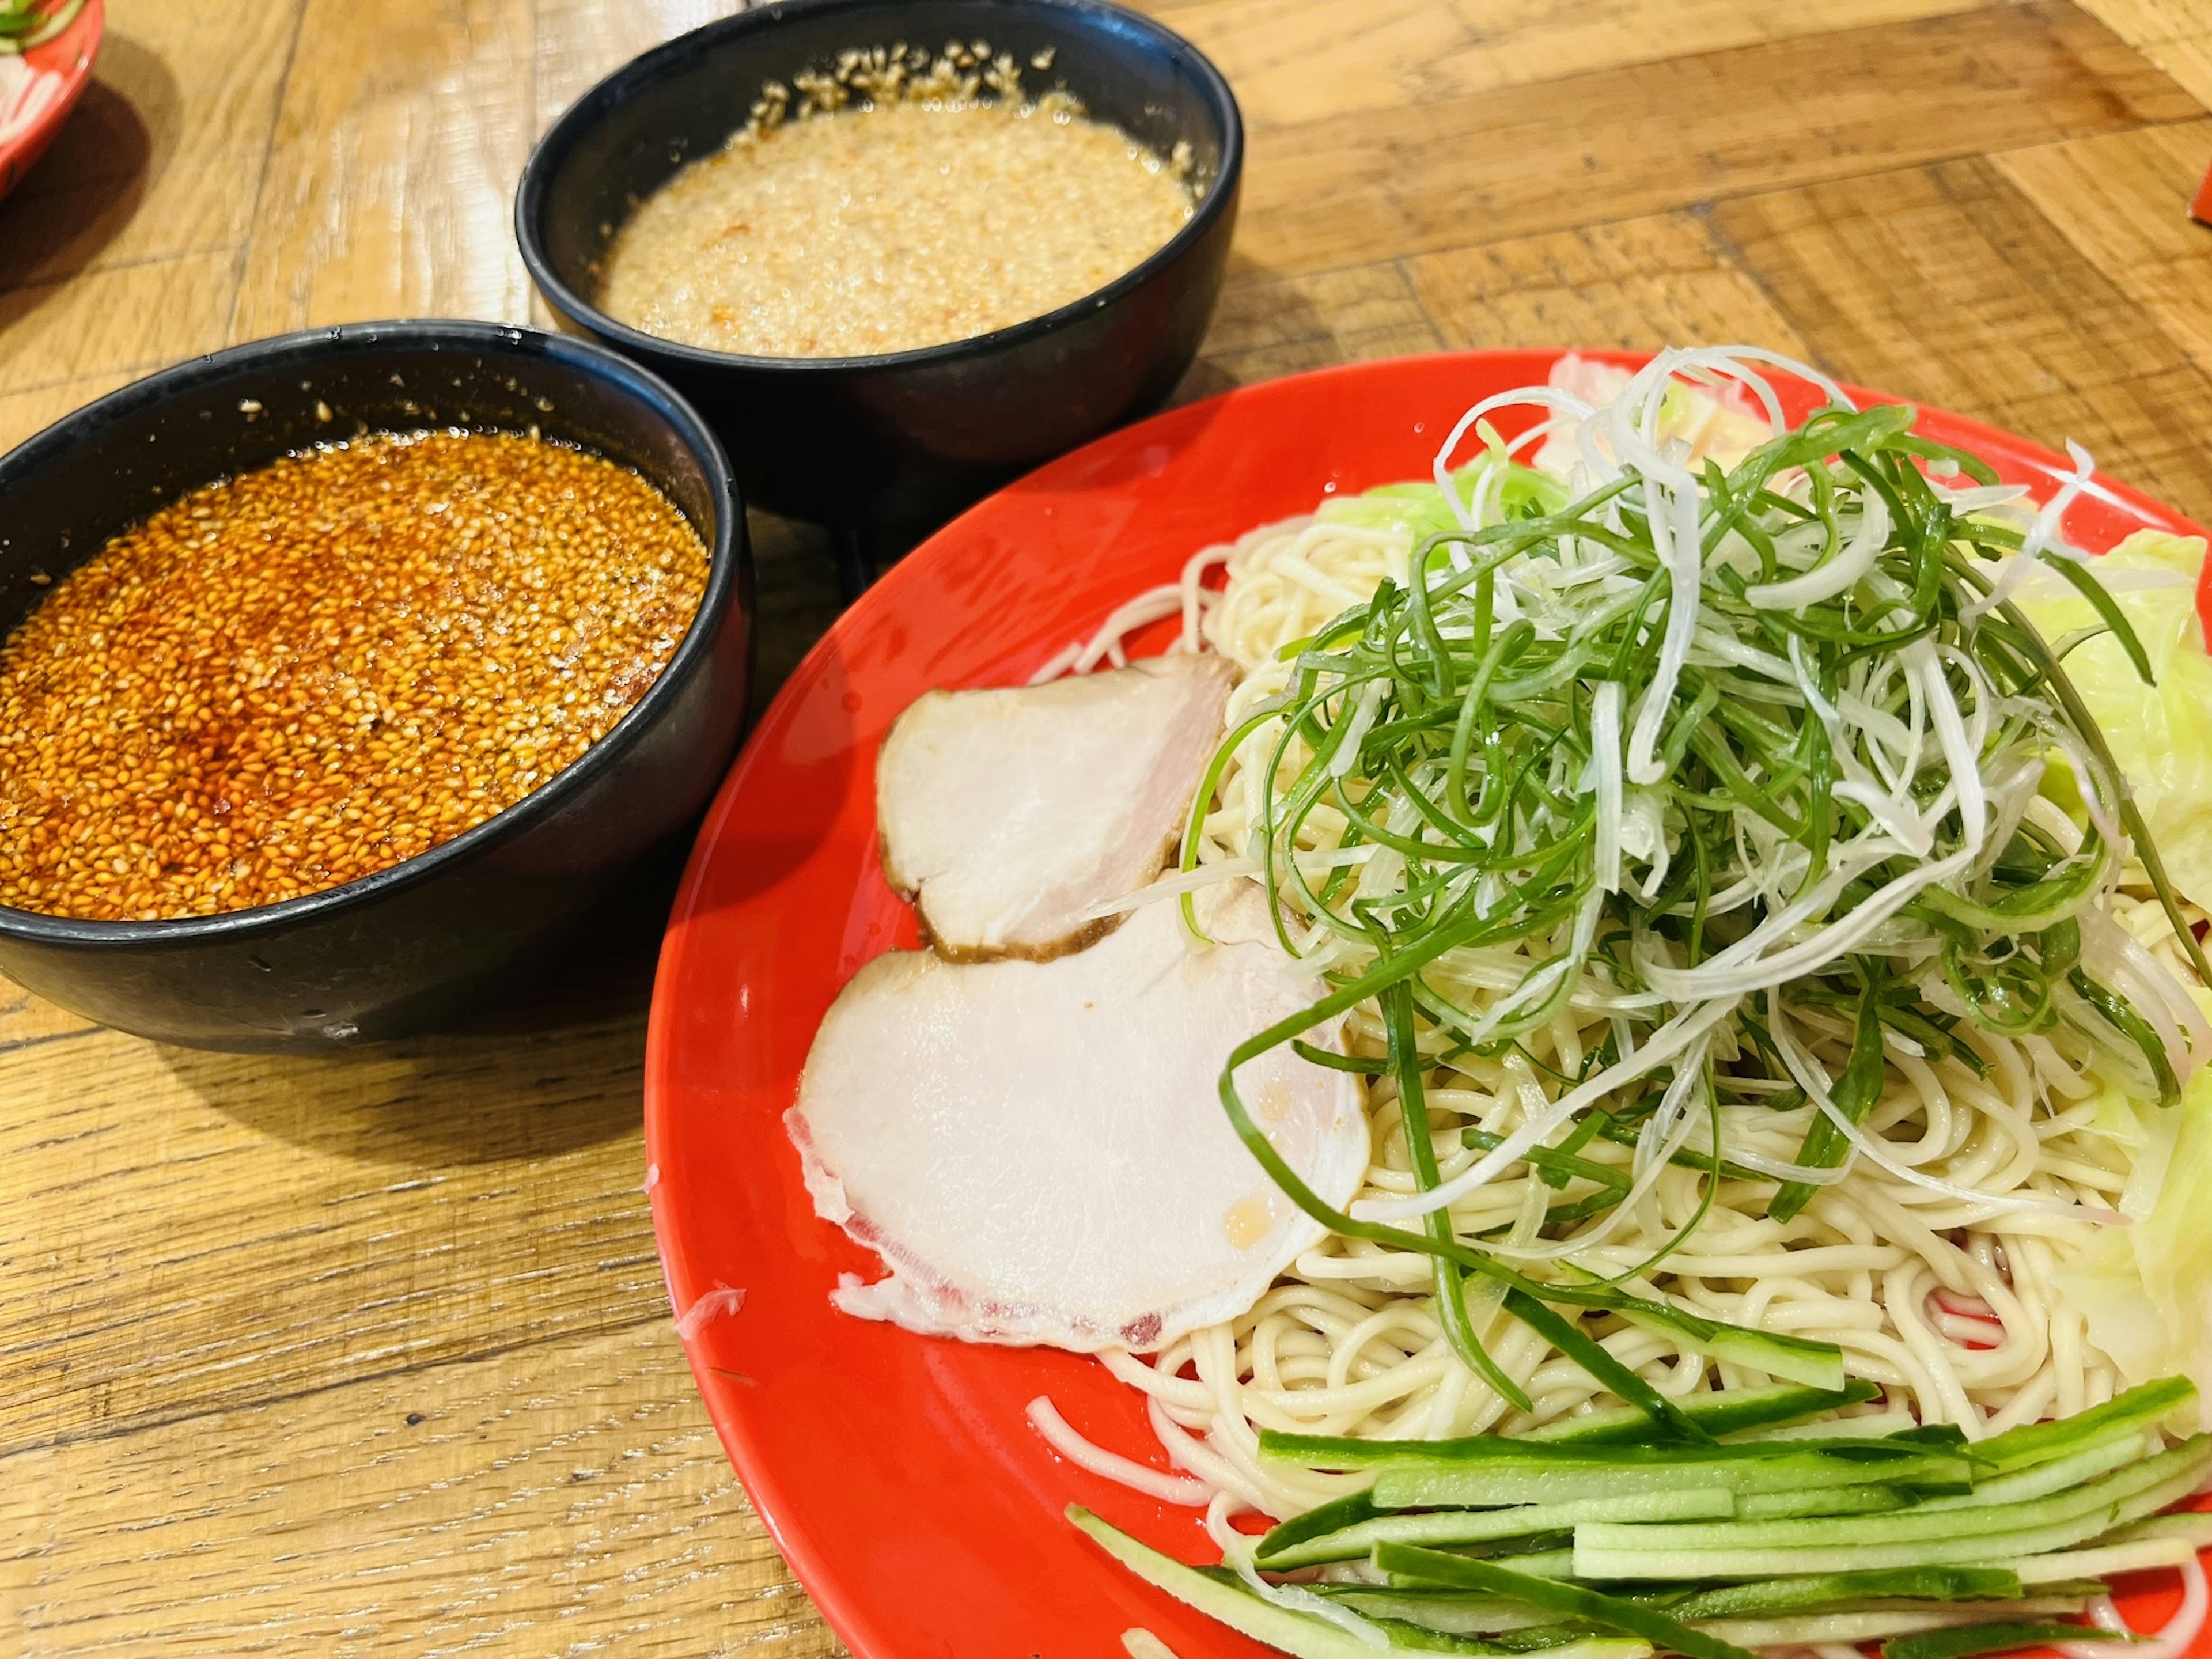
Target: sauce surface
x,y
314,671
907,224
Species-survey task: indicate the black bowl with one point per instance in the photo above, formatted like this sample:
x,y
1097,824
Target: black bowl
x,y
408,948
906,439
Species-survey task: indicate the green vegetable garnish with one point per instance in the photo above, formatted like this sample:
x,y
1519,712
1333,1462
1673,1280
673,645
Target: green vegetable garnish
x,y
1726,757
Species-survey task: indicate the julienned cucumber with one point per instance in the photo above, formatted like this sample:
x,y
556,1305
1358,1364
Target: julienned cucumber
x,y
2042,1479
1787,1467
1716,1414
1844,1590
1819,1500
2085,1496
1707,1548
1957,1644
1803,1630
1928,1595
2138,1410
1322,1451
1998,1532
1298,1634
1615,1612
1353,1542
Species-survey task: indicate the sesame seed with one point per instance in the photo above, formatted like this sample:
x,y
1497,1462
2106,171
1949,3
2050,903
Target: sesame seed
x,y
310,673
906,203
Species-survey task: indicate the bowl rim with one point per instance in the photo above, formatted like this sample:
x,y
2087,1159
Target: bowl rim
x,y
725,559
553,149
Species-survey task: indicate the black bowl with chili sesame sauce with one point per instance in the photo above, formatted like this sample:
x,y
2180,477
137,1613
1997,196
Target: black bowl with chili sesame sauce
x,y
342,673
896,442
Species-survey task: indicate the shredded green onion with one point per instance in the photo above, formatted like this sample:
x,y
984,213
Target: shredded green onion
x,y
1736,758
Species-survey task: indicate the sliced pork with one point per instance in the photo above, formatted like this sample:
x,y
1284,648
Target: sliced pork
x,y
1009,815
1038,1151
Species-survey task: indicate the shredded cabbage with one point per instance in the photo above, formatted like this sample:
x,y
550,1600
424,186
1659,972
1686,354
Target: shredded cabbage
x,y
2145,1291
2160,735
1421,509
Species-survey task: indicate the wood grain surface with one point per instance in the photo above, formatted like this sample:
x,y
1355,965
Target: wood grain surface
x,y
373,1355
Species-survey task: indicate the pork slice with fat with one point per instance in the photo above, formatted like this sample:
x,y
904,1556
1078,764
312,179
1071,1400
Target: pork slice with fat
x,y
1009,814
1038,1151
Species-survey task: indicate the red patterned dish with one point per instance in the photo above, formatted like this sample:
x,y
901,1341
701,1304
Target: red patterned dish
x,y
61,69
897,1473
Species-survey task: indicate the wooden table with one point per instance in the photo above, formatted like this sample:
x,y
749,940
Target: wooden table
x,y
371,1354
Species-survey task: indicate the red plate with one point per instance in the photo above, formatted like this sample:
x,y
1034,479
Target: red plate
x,y
897,1472
67,58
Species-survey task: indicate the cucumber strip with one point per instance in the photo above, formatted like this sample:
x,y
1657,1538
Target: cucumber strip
x,y
2056,1476
2125,1497
2195,1525
1869,1625
1298,1634
1871,1427
1420,1486
1352,1542
1318,1522
2102,1561
1569,1601
1990,1638
1453,1614
2082,1498
1553,1641
1716,1414
1401,1637
1819,1500
2135,1412
1544,1564
1834,1589
1873,1460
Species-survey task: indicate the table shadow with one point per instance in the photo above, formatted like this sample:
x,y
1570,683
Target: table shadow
x,y
88,186
552,1065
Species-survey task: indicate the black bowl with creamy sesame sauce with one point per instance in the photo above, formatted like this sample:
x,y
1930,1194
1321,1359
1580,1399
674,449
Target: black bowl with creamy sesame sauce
x,y
417,943
900,441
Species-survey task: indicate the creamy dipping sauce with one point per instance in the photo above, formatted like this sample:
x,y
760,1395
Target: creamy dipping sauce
x,y
860,231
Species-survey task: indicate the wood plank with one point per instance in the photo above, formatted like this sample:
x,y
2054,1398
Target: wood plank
x,y
2190,63
2122,202
1292,61
1268,324
1627,142
2148,22
580,42
28,1021
795,596
563,1498
161,156
182,1230
112,322
1518,41
2174,34
390,186
1946,284
1639,284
